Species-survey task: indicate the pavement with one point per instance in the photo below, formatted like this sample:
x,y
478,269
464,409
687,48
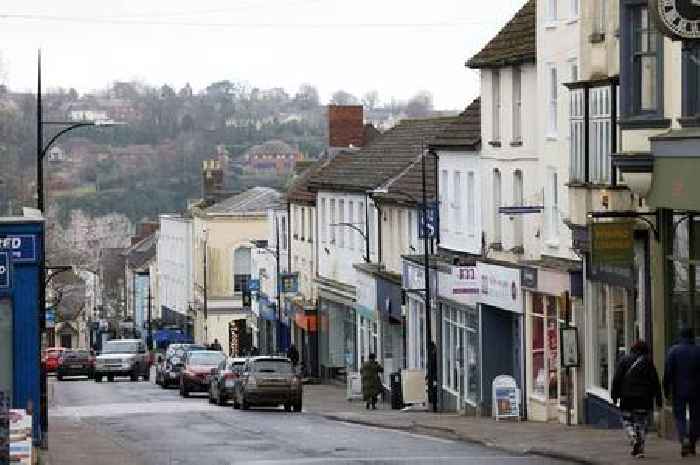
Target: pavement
x,y
576,444
138,423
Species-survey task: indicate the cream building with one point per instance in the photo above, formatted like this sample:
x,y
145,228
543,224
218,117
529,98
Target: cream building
x,y
222,236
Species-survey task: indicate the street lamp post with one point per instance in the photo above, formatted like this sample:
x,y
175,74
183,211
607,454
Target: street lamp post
x,y
431,352
41,150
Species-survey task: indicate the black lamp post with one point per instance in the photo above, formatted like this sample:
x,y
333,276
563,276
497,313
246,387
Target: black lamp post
x,y
431,360
42,150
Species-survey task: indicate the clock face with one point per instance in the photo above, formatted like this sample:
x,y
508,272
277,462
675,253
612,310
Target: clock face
x,y
679,19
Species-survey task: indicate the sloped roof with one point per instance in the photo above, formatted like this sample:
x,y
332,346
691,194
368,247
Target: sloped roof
x,y
465,132
253,201
384,159
299,191
514,44
143,251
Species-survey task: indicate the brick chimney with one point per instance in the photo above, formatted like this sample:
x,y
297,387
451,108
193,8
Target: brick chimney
x,y
345,126
212,180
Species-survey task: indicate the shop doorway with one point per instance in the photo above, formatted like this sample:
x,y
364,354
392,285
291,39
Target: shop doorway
x,y
501,353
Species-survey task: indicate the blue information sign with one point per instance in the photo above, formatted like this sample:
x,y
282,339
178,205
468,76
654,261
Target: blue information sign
x,y
21,247
430,226
4,270
254,285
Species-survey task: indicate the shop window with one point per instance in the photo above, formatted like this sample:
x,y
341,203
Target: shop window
x,y
684,305
538,367
6,347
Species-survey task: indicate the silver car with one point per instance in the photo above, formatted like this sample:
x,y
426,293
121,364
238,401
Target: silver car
x,y
122,357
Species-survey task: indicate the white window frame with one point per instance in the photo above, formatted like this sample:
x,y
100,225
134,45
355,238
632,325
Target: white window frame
x,y
331,221
517,104
457,200
574,9
518,200
551,13
351,220
599,169
471,203
324,222
444,201
551,201
341,220
552,101
495,105
303,223
497,198
577,134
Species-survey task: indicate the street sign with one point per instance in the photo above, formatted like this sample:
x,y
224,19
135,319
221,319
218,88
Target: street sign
x,y
254,285
289,283
431,225
4,270
50,318
21,247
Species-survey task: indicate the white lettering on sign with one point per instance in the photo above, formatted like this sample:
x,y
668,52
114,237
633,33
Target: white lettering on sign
x,y
12,243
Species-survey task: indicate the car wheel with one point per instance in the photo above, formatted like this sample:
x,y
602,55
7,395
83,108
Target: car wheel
x,y
163,385
183,390
59,377
135,374
297,407
221,400
110,378
244,404
98,378
236,405
287,407
211,397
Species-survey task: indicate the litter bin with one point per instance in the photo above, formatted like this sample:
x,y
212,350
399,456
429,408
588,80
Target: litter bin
x,y
396,394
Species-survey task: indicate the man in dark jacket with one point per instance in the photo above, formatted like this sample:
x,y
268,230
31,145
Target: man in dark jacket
x,y
636,385
682,384
371,383
293,355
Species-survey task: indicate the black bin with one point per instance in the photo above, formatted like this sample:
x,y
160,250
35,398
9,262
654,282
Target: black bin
x,y
396,394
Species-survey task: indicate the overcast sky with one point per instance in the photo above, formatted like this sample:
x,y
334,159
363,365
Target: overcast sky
x,y
394,46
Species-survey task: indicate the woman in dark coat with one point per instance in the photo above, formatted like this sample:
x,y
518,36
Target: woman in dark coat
x,y
371,384
636,385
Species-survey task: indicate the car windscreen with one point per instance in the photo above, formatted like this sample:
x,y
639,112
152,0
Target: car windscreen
x,y
273,366
206,358
121,347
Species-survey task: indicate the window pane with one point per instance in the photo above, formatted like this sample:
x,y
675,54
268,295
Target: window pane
x,y
601,336
648,82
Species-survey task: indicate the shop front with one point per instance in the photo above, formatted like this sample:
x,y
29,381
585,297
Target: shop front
x,y
413,284
392,327
458,292
552,303
265,323
305,335
618,310
368,333
337,332
501,317
21,249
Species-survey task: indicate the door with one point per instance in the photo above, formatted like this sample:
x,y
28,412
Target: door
x,y
498,348
67,341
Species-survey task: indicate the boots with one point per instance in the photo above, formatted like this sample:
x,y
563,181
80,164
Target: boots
x,y
685,448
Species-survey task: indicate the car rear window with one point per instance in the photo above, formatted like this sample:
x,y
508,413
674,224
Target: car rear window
x,y
121,347
236,366
76,353
273,366
206,358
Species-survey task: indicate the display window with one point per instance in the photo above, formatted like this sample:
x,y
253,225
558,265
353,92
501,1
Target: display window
x,y
461,352
417,346
683,256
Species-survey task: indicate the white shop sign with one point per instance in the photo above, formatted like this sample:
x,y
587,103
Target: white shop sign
x,y
500,287
366,292
461,285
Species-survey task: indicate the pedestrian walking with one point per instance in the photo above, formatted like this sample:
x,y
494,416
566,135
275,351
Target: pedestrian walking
x,y
215,345
682,385
371,383
636,386
293,355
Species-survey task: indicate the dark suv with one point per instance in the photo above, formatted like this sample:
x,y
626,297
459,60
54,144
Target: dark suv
x,y
75,362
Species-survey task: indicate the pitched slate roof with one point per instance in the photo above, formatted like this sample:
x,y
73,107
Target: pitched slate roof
x,y
143,251
513,45
299,191
391,155
465,132
253,201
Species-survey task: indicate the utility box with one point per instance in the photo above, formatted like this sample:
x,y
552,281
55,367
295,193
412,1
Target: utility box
x,y
21,252
396,394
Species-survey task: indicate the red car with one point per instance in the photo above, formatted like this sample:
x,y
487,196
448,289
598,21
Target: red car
x,y
196,373
50,358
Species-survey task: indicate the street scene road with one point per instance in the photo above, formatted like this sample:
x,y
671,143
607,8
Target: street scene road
x,y
146,425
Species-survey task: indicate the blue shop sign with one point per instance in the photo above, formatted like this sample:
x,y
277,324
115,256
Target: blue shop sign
x,y
21,247
4,270
254,285
428,220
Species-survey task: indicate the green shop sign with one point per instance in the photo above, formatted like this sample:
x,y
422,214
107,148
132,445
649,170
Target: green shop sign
x,y
612,253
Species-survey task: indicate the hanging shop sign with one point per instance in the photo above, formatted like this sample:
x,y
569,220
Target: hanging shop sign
x,y
569,348
428,221
50,318
289,283
254,285
528,277
21,247
612,253
506,398
366,300
4,270
500,287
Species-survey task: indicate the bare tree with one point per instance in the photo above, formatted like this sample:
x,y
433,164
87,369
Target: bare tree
x,y
341,97
370,99
420,105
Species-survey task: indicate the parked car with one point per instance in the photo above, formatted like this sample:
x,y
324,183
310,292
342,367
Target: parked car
x,y
170,365
122,357
75,362
50,358
195,375
224,379
269,381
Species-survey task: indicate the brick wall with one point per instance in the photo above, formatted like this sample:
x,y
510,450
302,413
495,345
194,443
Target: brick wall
x,y
345,126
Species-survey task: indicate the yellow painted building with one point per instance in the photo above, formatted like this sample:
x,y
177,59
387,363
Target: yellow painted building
x,y
226,231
